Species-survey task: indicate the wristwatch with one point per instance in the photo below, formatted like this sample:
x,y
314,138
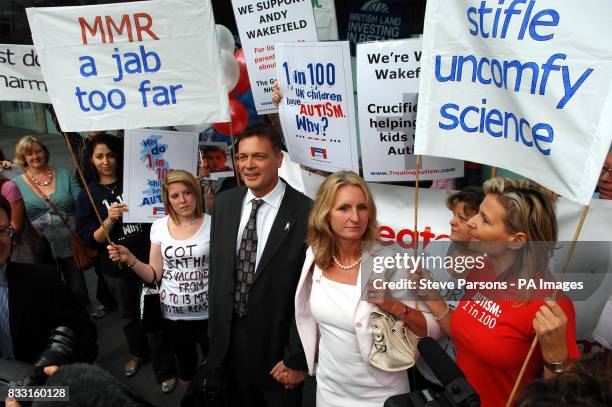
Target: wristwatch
x,y
555,367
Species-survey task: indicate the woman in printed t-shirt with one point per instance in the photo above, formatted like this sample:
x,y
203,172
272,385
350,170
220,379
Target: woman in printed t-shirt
x,y
180,244
493,330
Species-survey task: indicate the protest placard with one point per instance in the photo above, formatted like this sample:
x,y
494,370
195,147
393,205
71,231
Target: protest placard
x,y
215,159
387,89
148,156
131,65
524,86
263,23
317,112
21,79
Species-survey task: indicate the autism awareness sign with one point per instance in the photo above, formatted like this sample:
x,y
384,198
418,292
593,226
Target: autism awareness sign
x,y
317,112
149,155
122,66
511,83
387,92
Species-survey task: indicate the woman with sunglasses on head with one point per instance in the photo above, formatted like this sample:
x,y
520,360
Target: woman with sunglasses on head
x,y
103,165
180,245
492,329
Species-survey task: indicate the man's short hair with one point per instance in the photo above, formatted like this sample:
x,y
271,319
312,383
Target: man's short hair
x,y
213,148
262,130
6,206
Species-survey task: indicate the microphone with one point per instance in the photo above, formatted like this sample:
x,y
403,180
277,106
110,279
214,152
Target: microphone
x,y
445,370
443,367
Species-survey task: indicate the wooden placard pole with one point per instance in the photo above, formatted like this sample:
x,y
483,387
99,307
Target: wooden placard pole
x,y
415,240
233,153
86,187
566,261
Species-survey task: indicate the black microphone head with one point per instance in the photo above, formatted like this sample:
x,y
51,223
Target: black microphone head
x,y
438,360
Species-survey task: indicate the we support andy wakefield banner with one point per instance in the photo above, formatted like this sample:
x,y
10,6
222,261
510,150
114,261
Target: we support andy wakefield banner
x,y
130,65
521,85
387,90
21,79
261,24
149,155
317,112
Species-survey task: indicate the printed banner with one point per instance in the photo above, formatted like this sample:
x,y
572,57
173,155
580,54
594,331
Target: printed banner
x,y
523,86
395,208
317,112
131,65
261,24
387,91
148,156
21,79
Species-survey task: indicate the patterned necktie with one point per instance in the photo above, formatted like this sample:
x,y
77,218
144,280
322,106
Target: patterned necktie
x,y
245,265
6,343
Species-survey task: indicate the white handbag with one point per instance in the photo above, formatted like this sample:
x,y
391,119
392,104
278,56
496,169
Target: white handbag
x,y
394,345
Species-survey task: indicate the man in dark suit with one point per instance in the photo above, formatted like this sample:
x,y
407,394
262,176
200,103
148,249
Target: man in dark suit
x,y
33,302
257,252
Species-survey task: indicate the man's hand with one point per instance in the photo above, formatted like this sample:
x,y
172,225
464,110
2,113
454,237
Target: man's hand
x,y
290,378
11,402
277,96
49,371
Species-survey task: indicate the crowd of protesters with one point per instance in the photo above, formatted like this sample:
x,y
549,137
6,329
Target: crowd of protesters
x,y
282,277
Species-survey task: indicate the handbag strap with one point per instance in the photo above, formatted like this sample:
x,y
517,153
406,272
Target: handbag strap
x,y
49,203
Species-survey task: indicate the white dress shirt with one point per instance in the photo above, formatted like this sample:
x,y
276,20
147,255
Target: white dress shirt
x,y
265,216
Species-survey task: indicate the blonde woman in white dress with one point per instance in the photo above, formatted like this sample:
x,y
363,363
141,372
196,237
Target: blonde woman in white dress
x,y
332,319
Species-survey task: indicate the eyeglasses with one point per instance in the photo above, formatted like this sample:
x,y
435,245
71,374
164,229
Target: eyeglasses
x,y
605,170
7,232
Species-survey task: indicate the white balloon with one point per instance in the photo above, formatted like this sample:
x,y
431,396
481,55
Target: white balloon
x,y
231,69
226,38
193,128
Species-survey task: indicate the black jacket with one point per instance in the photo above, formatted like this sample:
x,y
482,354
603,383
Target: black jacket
x,y
40,302
134,236
271,329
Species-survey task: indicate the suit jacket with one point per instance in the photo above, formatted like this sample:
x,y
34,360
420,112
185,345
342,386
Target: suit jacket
x,y
40,302
309,331
271,330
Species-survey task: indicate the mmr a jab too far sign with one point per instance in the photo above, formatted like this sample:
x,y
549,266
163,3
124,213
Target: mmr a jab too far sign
x,y
130,65
521,85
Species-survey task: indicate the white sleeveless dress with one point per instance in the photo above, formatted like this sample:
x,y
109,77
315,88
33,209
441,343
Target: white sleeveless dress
x,y
342,375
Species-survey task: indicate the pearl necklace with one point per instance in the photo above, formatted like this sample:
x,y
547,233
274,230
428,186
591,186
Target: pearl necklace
x,y
43,183
342,266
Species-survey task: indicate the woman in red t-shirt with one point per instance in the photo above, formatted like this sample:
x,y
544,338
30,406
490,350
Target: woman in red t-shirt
x,y
493,327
